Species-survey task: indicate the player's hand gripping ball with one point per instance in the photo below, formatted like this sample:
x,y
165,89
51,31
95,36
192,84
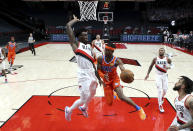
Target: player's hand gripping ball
x,y
127,76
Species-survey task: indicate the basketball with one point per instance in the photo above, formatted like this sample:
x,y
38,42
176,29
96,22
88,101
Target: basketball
x,y
127,76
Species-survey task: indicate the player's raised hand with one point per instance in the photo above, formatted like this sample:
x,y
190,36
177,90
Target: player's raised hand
x,y
75,18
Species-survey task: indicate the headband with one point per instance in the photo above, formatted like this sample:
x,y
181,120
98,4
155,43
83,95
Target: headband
x,y
110,48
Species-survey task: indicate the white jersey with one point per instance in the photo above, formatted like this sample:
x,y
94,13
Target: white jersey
x,y
84,56
86,71
98,44
183,114
161,65
1,54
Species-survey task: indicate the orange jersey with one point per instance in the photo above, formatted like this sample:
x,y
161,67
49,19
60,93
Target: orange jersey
x,y
11,46
109,68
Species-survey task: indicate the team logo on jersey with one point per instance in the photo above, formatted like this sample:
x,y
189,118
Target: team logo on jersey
x,y
179,108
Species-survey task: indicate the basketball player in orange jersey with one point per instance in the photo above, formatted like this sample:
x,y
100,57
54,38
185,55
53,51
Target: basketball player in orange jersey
x,y
107,69
98,46
184,106
87,73
162,64
11,51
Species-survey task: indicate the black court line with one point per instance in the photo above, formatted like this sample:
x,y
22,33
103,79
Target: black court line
x,y
15,112
147,104
171,105
14,109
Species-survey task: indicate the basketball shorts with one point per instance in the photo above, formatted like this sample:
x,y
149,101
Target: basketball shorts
x,y
87,81
108,90
162,81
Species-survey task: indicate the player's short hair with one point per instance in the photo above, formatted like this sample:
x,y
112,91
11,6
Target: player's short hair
x,y
79,31
188,84
110,44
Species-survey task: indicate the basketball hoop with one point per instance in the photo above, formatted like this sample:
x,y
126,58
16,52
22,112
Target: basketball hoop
x,y
88,10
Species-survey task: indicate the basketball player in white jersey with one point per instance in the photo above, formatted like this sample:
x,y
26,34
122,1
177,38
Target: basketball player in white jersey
x,y
162,64
86,69
98,46
184,106
2,62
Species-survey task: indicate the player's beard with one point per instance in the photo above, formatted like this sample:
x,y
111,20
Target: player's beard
x,y
177,88
161,54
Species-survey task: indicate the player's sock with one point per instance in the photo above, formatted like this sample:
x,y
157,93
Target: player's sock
x,y
137,107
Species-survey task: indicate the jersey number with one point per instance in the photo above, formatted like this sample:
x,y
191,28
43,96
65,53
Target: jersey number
x,y
182,115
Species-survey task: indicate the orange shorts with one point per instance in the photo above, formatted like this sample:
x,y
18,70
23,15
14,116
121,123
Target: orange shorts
x,y
108,90
11,55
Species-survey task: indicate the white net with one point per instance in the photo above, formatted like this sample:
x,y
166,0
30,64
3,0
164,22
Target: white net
x,y
88,10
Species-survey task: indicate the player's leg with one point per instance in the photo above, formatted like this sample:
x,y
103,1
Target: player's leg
x,y
3,71
129,101
30,47
159,89
33,49
13,58
92,92
122,97
83,97
108,94
164,86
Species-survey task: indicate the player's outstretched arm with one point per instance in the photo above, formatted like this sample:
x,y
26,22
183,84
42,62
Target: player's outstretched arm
x,y
170,63
150,68
70,33
99,72
120,64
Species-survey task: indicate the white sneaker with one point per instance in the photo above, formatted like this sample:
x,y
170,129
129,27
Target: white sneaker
x,y
84,111
161,109
67,114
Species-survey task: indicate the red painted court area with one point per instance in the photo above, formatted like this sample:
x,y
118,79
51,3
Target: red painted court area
x,y
43,113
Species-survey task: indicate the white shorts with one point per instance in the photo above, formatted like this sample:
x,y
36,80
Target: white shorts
x,y
177,124
162,81
2,65
86,79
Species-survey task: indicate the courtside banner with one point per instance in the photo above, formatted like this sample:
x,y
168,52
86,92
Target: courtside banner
x,y
142,38
63,37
